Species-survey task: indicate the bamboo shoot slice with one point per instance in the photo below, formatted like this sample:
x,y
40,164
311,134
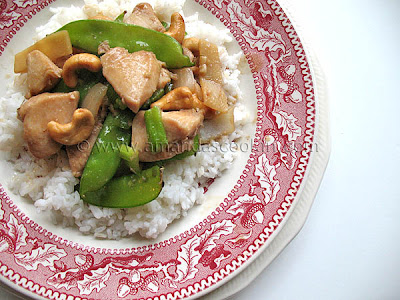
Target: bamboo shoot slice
x,y
214,95
209,62
54,46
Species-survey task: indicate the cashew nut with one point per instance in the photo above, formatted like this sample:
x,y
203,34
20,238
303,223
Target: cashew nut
x,y
192,44
179,98
79,61
177,27
189,54
79,129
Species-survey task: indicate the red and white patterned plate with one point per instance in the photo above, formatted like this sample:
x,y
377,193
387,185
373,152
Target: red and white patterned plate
x,y
192,262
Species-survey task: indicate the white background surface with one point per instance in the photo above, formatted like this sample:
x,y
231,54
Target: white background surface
x,y
349,247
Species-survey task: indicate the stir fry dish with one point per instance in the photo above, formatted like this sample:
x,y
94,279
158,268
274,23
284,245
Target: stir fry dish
x,y
122,97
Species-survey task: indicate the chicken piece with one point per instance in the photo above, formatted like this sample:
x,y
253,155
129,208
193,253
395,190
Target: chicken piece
x,y
144,15
40,110
171,150
180,127
134,76
182,124
165,77
43,74
79,154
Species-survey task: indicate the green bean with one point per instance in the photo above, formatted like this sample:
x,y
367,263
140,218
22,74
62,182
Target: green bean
x,y
157,95
165,25
168,87
155,129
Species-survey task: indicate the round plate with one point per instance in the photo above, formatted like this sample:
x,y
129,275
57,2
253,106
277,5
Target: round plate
x,y
197,260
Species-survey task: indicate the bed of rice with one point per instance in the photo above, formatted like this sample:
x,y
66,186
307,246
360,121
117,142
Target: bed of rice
x,y
50,184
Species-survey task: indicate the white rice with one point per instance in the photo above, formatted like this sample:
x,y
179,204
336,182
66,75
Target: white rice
x,y
50,183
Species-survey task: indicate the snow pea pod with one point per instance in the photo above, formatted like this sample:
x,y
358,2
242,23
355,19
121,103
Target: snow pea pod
x,y
131,156
104,159
89,34
129,190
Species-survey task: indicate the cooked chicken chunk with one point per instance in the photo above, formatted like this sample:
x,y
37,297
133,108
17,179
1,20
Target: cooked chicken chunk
x,y
144,15
40,110
165,77
134,76
180,126
79,154
171,150
43,74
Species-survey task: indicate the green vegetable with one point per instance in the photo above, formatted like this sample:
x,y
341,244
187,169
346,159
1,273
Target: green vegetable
x,y
104,159
114,98
165,25
88,34
183,155
61,87
82,87
120,18
112,94
168,87
119,104
129,190
123,169
196,146
157,95
124,119
155,129
131,156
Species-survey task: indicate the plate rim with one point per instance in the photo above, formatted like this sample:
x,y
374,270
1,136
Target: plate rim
x,y
309,188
